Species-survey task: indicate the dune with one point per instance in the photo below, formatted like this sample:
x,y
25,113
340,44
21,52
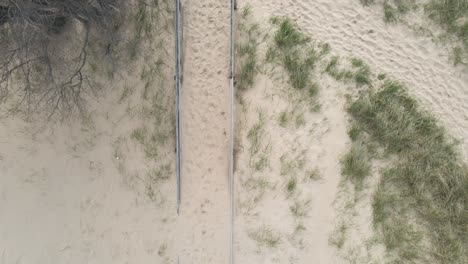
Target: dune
x,y
101,188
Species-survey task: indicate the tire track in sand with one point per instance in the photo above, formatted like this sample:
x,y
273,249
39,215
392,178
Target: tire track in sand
x,y
203,224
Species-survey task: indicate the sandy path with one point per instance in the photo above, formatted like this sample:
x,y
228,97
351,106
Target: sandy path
x,y
204,219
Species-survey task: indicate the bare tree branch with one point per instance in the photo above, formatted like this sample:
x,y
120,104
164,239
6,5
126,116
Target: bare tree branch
x,y
44,49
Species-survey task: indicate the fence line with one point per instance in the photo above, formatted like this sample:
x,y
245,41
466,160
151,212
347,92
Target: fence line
x,y
178,36
231,160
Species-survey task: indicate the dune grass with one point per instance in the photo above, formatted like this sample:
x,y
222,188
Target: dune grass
x,y
300,208
355,132
390,13
266,237
314,175
367,2
283,119
394,10
296,62
246,48
450,15
339,235
259,148
333,70
154,178
356,164
360,73
420,206
256,187
296,53
291,186
292,163
288,35
150,19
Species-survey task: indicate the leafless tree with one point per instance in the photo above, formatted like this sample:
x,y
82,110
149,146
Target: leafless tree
x,y
44,47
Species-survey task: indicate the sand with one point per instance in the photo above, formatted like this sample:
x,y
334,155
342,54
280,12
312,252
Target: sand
x,y
66,196
64,201
203,225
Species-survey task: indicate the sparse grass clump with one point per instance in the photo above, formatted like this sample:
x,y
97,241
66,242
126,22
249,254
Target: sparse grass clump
x,y
300,120
291,186
422,194
161,173
300,208
381,76
162,249
452,16
390,13
256,188
154,136
357,62
399,7
288,36
361,74
367,2
290,166
393,9
314,175
299,69
296,53
333,70
356,163
295,117
266,237
125,93
139,135
256,134
258,149
247,51
149,18
283,119
355,132
257,184
338,237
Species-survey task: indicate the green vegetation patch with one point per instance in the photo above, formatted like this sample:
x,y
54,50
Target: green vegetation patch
x,y
266,237
356,164
247,47
450,15
296,53
395,9
360,73
259,150
421,200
